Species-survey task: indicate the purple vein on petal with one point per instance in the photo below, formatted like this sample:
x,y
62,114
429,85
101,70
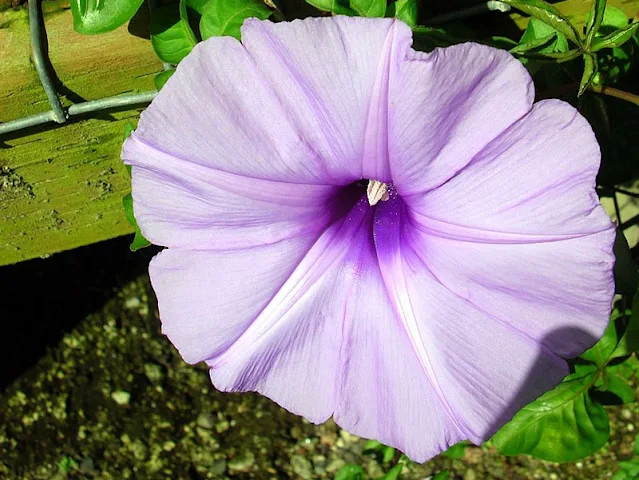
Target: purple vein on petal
x,y
513,328
375,161
331,247
439,228
388,244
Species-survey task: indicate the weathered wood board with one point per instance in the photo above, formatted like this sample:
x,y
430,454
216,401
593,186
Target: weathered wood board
x,y
61,186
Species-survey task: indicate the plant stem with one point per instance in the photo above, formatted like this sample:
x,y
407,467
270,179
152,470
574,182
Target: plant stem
x,y
615,92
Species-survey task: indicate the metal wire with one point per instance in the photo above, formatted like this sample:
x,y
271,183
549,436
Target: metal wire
x,y
57,113
40,62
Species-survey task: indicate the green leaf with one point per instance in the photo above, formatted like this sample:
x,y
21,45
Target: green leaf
x,y
161,78
350,472
614,17
171,35
369,8
548,14
404,10
539,45
616,39
138,240
594,20
225,17
197,5
338,7
537,30
616,391
562,425
99,16
127,203
443,475
128,129
627,470
600,352
388,453
456,451
590,70
629,342
394,473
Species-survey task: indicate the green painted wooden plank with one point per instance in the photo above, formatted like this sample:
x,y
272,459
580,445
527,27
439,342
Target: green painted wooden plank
x,y
61,186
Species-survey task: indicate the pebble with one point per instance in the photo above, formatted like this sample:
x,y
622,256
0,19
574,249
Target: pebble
x,y
205,420
121,397
242,463
153,372
132,303
302,466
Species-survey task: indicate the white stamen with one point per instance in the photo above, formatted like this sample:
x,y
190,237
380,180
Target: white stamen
x,y
376,191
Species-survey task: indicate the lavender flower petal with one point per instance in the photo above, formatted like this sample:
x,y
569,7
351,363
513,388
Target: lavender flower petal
x,y
446,106
183,204
482,368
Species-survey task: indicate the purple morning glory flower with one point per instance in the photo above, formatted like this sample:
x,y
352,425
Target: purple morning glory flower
x,y
361,230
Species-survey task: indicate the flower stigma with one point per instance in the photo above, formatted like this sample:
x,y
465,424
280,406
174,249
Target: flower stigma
x,y
376,191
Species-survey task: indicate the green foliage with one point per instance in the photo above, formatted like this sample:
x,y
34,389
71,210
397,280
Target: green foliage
x,y
161,78
443,475
456,451
594,20
338,7
197,5
548,14
393,473
383,452
617,38
171,35
562,425
369,8
350,472
225,17
404,10
127,203
100,16
570,422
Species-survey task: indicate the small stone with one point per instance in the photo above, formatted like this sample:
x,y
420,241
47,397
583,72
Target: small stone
x,y
319,464
302,467
626,414
335,464
222,426
168,446
132,303
153,372
296,433
579,465
242,463
121,397
630,427
205,420
553,476
470,474
219,467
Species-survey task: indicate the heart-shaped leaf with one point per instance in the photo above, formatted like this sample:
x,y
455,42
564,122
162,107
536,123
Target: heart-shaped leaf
x,y
99,16
562,425
225,17
171,35
369,8
404,10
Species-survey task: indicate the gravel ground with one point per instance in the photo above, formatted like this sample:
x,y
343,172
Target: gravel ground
x,y
111,399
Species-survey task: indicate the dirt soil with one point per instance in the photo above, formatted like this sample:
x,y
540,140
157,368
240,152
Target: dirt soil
x,y
104,395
